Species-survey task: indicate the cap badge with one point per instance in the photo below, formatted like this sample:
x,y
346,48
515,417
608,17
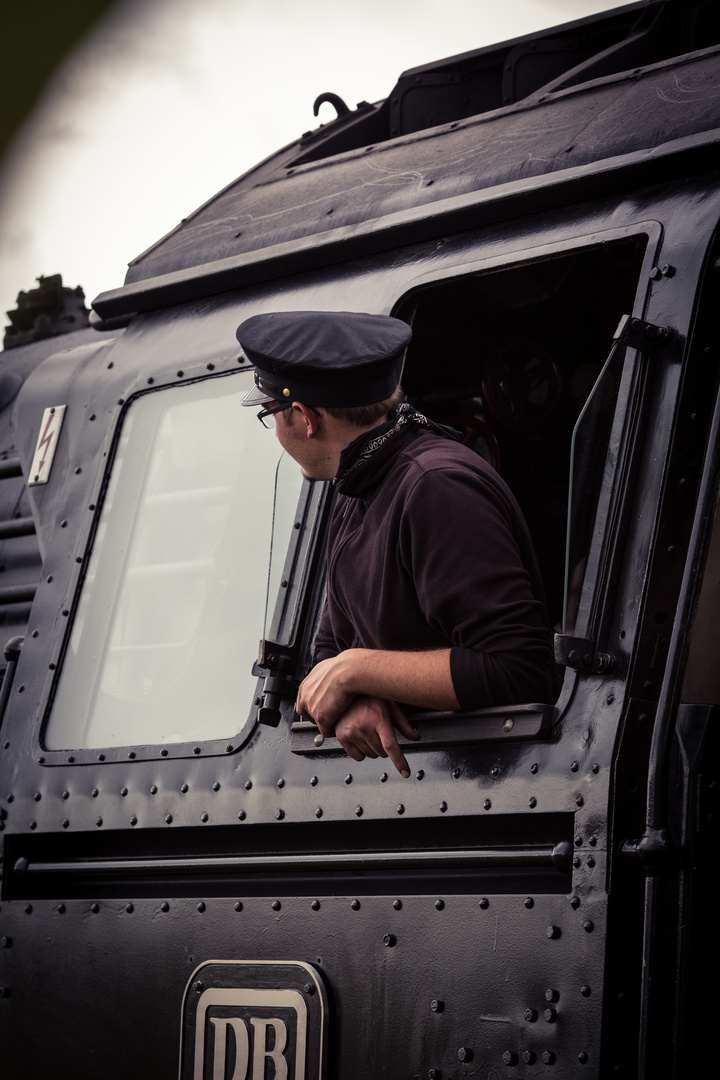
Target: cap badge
x,y
286,392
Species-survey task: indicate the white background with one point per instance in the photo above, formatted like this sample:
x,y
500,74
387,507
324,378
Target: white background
x,y
167,101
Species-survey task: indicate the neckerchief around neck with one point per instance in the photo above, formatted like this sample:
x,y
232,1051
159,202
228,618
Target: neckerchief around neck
x,y
362,449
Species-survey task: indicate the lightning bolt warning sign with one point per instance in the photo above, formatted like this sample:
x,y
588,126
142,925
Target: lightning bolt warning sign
x,y
46,445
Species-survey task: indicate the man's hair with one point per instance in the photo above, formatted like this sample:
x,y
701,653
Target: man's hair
x,y
364,415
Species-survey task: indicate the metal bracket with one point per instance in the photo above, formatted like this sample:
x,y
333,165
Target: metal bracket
x,y
580,655
644,336
273,662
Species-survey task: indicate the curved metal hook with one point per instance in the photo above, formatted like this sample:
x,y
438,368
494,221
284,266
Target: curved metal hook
x,y
333,99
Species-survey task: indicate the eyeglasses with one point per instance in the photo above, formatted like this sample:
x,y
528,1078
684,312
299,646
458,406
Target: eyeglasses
x,y
267,416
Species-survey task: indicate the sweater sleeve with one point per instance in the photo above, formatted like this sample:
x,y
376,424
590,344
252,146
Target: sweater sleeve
x,y
467,549
325,645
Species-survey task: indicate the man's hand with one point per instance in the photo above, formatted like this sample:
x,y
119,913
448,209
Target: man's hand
x,y
367,729
322,696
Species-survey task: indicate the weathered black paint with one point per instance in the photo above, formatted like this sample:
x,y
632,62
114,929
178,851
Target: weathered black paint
x,y
552,892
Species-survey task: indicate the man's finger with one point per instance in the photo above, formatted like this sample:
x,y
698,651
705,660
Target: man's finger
x,y
392,748
402,723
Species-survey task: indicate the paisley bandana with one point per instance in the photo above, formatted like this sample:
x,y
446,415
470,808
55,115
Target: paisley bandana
x,y
369,444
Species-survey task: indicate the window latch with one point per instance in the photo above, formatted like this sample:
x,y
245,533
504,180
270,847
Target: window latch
x,y
644,336
276,664
581,655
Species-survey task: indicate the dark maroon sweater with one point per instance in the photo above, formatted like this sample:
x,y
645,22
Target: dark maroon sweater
x,y
428,550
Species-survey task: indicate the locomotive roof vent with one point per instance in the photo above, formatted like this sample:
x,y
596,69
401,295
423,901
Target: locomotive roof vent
x,y
498,76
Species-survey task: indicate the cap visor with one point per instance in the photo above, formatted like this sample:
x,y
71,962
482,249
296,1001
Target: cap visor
x,y
257,396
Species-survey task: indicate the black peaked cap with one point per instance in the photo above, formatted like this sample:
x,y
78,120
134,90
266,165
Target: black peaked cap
x,y
333,358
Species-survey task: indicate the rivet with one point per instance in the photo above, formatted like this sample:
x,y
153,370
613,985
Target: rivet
x,y
508,724
578,841
309,989
132,755
529,1057
596,768
216,785
464,1054
229,748
591,861
552,995
495,771
315,905
101,757
99,822
577,861
165,906
198,987
204,816
241,815
276,905
28,909
457,773
163,753
389,940
534,768
11,798
313,781
248,785
593,841
532,802
279,815
609,699
585,991
510,1057
133,820
437,1006
588,926
348,778
210,367
579,801
550,1016
401,809
553,932
184,788
574,766
575,902
37,796
61,909
63,523
123,791
439,904
582,1057
487,804
484,903
238,905
549,1057
419,774
355,905
359,811
153,789
529,902
383,777
318,811
435,1074
33,825
168,819
201,907
94,908
531,1015
94,793
443,807
280,784
180,374
196,749
65,823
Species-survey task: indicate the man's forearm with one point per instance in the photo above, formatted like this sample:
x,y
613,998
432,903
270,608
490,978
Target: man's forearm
x,y
411,678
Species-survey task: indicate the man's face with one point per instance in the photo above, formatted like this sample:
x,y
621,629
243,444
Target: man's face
x,y
301,435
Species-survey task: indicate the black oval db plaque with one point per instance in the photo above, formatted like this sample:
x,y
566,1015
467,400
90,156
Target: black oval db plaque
x,y
254,1020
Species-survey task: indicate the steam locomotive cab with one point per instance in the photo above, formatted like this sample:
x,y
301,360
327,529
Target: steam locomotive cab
x,y
189,873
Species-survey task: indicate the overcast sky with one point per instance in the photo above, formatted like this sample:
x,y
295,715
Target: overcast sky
x,y
169,100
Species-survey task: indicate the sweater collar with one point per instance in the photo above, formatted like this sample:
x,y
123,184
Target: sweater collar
x,y
364,461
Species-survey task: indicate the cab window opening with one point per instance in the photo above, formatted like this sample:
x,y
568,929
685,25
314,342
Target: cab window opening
x,y
510,357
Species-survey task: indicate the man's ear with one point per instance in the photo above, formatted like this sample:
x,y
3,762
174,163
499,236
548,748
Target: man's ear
x,y
310,418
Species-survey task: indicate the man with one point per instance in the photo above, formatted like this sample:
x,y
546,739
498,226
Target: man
x,y
434,596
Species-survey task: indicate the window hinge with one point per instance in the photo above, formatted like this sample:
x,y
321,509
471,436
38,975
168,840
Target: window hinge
x,y
581,655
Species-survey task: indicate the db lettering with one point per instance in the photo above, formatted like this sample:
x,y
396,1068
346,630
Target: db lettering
x,y
259,1048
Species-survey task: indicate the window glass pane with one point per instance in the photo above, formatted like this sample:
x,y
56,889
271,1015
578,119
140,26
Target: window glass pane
x,y
172,607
